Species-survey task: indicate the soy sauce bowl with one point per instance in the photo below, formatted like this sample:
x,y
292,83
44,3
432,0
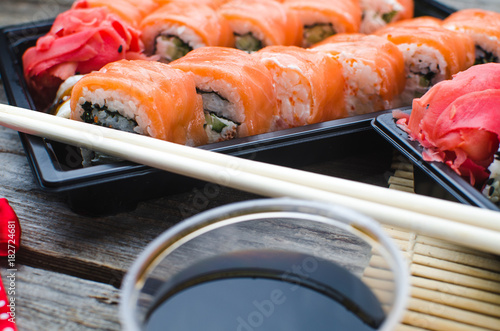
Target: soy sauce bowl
x,y
269,264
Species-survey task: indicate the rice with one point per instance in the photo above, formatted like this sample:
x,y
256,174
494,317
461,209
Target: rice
x,y
233,109
378,13
222,100
491,189
293,94
362,87
114,109
421,61
157,46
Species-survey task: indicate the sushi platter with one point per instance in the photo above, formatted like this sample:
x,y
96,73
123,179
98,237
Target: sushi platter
x,y
57,167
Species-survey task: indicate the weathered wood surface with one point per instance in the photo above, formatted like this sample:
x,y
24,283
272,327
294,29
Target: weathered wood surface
x,y
70,265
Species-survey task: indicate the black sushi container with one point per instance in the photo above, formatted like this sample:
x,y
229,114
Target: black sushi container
x,y
431,178
118,187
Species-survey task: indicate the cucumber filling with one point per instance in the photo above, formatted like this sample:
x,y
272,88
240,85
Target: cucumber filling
x,y
483,56
247,42
315,33
171,47
426,79
217,126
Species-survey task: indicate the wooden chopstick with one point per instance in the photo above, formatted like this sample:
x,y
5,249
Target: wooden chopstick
x,y
264,179
424,205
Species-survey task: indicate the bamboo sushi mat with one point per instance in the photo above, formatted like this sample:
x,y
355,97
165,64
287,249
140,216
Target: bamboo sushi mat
x,y
452,287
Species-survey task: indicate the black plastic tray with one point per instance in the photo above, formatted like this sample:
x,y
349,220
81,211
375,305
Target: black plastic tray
x,y
431,178
122,185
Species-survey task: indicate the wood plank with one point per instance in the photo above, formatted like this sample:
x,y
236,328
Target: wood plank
x,y
52,301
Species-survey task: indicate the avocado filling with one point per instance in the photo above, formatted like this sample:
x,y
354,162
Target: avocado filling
x,y
217,126
171,48
483,56
315,33
422,79
248,42
426,79
388,17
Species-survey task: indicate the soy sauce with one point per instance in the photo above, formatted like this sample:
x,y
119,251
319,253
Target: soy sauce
x,y
266,291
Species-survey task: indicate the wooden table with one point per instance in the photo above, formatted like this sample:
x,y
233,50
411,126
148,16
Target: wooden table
x,y
70,266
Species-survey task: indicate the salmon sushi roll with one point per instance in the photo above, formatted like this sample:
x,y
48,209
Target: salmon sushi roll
x,y
432,54
309,85
212,3
418,21
238,94
131,11
484,28
379,13
144,97
178,27
373,69
324,18
260,23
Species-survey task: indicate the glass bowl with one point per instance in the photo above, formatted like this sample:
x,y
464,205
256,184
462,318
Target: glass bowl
x,y
268,264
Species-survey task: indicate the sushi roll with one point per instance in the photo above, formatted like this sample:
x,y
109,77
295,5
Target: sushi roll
x,y
178,27
260,23
309,85
484,28
212,3
79,41
418,21
432,54
373,68
238,94
144,97
324,18
491,189
379,13
131,11
61,106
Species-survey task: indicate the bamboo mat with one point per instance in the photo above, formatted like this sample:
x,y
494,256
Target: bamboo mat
x,y
452,287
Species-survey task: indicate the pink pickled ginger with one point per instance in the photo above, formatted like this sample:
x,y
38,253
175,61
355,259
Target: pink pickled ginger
x,y
79,41
458,121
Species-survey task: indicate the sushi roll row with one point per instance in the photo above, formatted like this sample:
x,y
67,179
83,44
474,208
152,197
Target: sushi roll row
x,y
212,94
95,32
239,94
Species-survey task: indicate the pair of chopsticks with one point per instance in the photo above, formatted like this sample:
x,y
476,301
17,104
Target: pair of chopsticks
x,y
454,222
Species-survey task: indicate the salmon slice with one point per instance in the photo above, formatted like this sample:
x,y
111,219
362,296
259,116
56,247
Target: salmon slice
x,y
145,97
309,85
418,21
212,3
